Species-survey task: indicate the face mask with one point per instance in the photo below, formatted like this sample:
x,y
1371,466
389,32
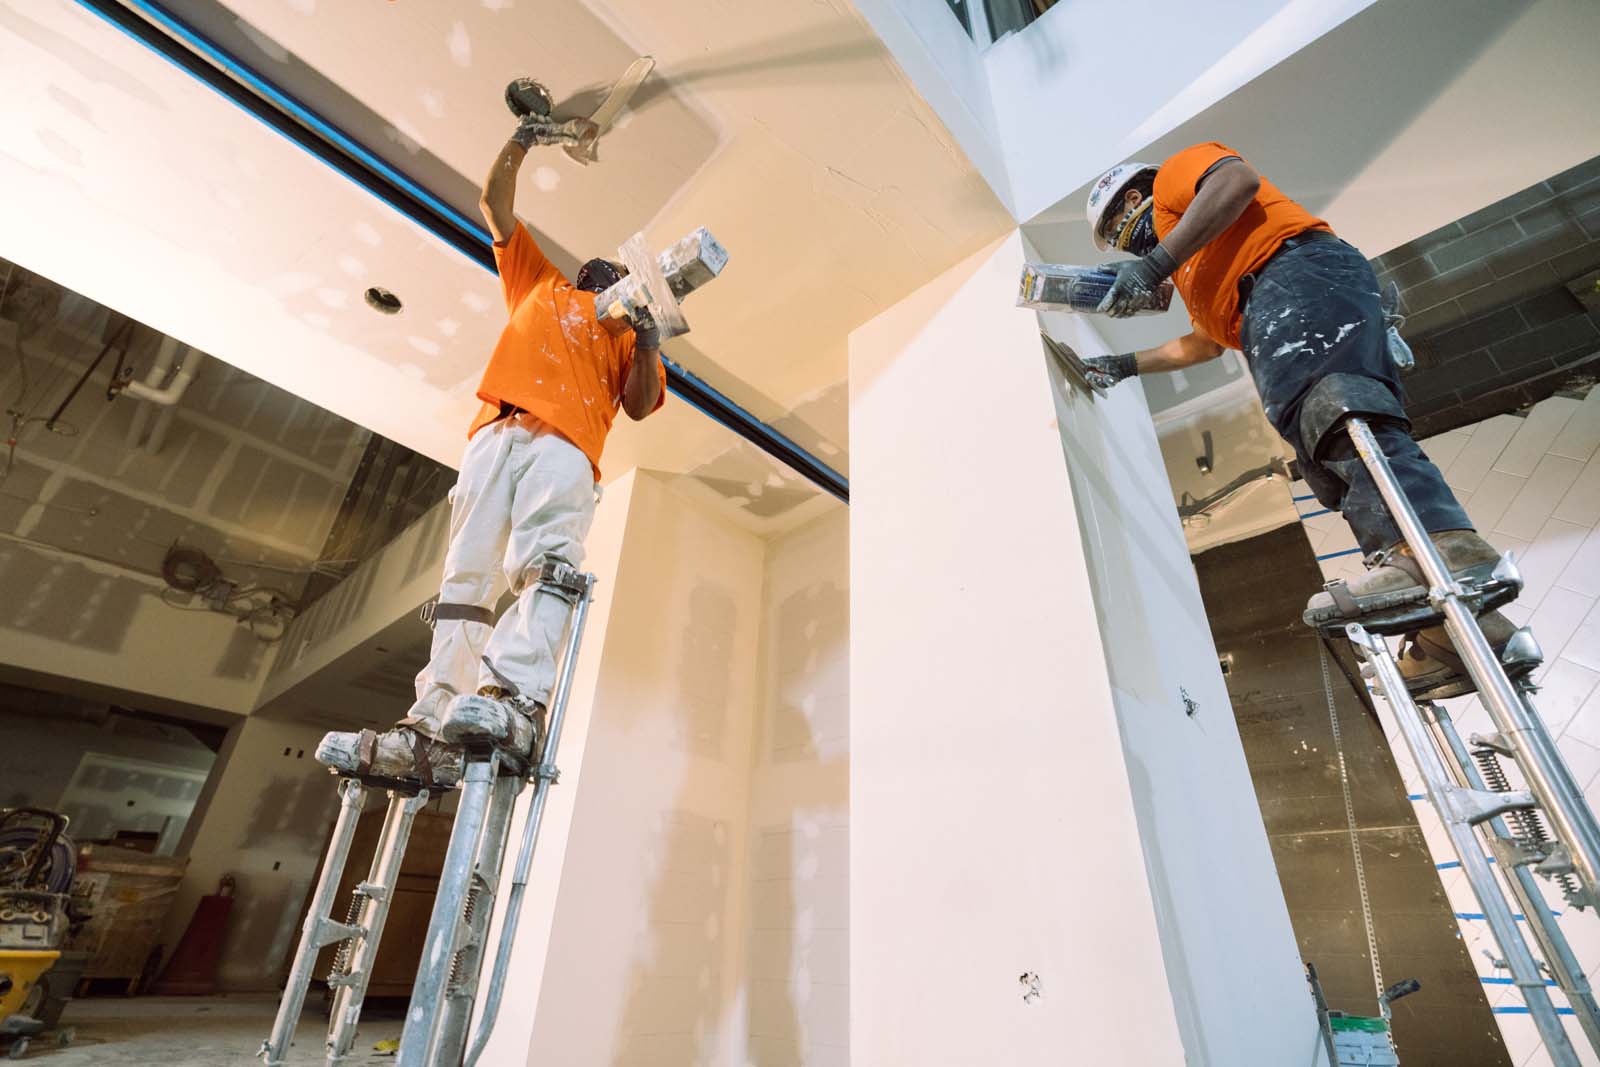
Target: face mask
x,y
1138,234
597,275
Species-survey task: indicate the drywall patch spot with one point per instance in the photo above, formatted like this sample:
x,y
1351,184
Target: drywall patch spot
x,y
432,102
331,297
317,320
448,327
305,7
496,5
460,44
1031,990
351,265
368,234
475,301
423,345
546,178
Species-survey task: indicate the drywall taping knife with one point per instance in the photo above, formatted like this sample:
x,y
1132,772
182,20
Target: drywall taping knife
x,y
611,107
1070,364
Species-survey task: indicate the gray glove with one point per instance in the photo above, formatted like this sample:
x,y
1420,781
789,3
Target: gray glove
x,y
646,334
543,130
1136,283
1106,371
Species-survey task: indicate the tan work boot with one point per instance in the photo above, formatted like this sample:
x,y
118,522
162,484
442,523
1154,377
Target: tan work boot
x,y
1430,663
401,753
1396,580
513,723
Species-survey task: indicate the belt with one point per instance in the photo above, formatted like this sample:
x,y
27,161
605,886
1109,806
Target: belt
x,y
1304,237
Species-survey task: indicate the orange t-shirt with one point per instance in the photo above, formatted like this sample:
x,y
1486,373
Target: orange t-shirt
x,y
553,360
1208,281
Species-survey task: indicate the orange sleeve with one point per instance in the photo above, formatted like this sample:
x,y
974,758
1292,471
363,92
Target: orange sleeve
x,y
521,264
1176,179
624,349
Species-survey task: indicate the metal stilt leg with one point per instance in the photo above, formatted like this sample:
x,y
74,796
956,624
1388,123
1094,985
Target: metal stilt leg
x,y
546,774
318,929
1547,827
1512,858
473,934
1461,810
442,1000
438,946
1521,733
369,909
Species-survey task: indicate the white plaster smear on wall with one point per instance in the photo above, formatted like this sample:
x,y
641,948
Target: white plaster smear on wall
x,y
1024,783
1532,486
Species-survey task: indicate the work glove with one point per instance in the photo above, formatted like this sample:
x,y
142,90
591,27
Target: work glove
x,y
543,130
1106,371
1136,283
646,334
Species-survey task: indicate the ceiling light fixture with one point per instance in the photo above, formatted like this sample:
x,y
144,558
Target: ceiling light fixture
x,y
383,301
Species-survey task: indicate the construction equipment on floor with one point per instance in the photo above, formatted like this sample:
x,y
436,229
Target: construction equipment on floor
x,y
1545,827
38,863
443,999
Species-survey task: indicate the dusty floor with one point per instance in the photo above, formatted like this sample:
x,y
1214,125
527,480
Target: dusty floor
x,y
199,1032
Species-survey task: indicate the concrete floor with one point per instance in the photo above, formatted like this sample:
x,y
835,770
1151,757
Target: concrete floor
x,y
200,1032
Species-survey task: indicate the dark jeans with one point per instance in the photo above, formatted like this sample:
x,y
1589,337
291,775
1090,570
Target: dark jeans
x,y
1313,311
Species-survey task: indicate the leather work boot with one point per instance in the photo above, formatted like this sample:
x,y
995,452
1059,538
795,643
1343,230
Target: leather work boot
x,y
1395,579
1430,664
401,753
514,723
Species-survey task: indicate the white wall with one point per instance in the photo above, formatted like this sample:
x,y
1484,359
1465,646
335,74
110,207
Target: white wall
x,y
1532,486
632,945
1223,921
1027,794
264,818
798,960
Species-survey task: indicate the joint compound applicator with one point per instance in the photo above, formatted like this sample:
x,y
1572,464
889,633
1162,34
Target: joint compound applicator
x,y
1063,287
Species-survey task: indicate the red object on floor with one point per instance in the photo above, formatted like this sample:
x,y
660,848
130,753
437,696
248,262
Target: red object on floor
x,y
192,970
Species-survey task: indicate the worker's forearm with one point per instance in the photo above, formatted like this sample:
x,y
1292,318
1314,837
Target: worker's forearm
x,y
642,390
1218,205
500,190
1178,353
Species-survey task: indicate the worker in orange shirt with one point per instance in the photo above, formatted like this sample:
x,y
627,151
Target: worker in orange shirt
x,y
525,495
1262,275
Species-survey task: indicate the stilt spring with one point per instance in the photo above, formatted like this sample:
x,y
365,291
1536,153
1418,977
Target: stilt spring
x,y
341,955
1530,827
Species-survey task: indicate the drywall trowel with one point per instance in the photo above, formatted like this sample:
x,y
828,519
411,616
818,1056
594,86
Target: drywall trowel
x,y
610,108
1070,363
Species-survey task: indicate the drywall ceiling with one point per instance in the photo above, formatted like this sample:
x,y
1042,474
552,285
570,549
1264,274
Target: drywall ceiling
x,y
784,128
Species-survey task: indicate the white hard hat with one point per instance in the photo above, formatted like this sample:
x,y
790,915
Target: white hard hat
x,y
1107,189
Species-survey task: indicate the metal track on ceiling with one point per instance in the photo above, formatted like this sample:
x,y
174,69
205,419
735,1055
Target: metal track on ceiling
x,y
153,25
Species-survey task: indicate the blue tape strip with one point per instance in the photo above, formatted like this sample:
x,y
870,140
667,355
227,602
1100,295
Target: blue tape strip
x,y
1314,514
1517,1010
1416,796
1509,981
1308,496
1336,555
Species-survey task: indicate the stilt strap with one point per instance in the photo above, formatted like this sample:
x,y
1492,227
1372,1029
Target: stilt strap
x,y
438,611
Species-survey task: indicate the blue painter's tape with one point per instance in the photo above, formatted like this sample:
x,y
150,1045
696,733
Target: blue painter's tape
x,y
1314,514
1308,496
1336,555
1519,1010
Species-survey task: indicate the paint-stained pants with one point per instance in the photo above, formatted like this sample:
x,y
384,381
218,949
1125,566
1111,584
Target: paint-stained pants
x,y
522,497
1312,311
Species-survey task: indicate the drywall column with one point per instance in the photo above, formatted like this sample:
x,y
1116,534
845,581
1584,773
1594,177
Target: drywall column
x,y
1029,797
630,950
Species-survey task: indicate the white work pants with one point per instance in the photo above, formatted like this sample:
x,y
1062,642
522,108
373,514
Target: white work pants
x,y
523,497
